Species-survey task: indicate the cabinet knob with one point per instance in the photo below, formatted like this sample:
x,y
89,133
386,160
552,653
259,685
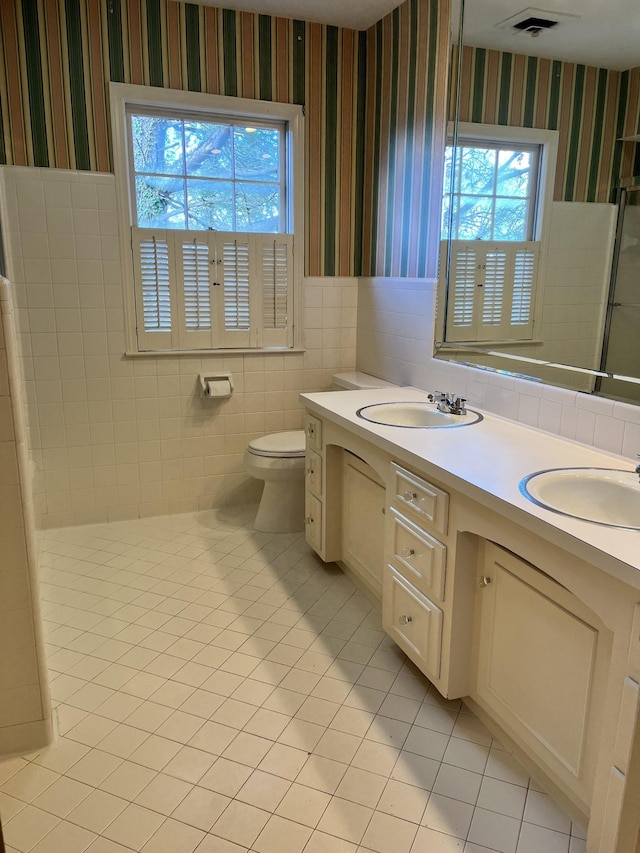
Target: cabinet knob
x,y
310,431
485,581
405,620
410,496
309,472
408,552
308,520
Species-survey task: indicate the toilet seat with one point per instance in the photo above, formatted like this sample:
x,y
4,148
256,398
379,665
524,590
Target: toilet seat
x,y
279,445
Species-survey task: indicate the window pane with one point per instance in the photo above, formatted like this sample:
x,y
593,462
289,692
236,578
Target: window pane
x,y
477,171
510,219
257,153
209,149
475,219
514,173
157,145
210,205
160,202
258,207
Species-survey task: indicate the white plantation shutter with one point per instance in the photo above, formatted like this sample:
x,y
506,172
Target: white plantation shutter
x,y
276,264
491,290
207,289
195,273
462,289
155,291
237,269
524,277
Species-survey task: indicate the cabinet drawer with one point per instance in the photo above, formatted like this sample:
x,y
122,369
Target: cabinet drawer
x,y
421,557
313,521
428,502
313,472
313,431
413,621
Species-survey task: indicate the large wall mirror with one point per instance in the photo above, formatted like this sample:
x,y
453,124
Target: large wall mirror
x,y
541,213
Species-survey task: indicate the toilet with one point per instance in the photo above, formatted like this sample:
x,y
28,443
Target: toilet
x,y
279,460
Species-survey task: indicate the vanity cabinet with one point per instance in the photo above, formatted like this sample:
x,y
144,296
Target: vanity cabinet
x,y
415,568
363,508
513,616
314,484
539,666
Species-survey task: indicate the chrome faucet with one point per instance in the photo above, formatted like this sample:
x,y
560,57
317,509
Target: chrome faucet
x,y
452,405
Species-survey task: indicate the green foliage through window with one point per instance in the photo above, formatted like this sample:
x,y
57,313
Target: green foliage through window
x,y
489,191
198,175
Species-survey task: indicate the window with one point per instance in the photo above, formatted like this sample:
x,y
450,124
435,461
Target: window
x,y
498,185
494,191
212,192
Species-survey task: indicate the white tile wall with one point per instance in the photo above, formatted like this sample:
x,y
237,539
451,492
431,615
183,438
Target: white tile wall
x,y
576,279
116,437
395,330
24,701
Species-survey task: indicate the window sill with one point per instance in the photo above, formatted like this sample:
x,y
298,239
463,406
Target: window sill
x,y
172,353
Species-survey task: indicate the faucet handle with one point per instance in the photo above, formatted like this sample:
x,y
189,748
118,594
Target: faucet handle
x,y
460,408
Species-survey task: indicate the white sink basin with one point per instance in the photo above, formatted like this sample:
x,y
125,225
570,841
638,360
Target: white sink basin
x,y
417,415
601,495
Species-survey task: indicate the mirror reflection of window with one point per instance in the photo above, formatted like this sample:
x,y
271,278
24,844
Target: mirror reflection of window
x,y
494,191
489,208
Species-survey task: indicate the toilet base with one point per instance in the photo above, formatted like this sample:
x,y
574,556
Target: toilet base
x,y
281,507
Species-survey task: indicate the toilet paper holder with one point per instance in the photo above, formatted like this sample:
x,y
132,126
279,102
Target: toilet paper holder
x,y
216,386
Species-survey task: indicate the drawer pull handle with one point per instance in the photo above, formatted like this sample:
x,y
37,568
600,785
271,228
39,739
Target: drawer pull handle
x,y
405,620
408,552
308,520
485,581
410,496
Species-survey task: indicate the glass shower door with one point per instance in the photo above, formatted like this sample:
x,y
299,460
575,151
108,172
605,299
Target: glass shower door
x,y
621,350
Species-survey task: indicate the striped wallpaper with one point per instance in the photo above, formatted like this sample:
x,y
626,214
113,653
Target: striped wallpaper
x,y
590,107
374,104
408,60
57,57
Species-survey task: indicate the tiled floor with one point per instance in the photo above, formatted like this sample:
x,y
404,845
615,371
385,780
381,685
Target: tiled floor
x,y
221,690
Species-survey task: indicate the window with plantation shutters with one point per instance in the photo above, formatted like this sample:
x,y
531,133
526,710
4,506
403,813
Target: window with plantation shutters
x,y
203,290
491,290
213,190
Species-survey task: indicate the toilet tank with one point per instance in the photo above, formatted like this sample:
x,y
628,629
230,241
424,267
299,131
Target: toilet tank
x,y
356,381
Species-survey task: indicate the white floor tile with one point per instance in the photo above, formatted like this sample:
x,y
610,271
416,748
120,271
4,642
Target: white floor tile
x,y
221,690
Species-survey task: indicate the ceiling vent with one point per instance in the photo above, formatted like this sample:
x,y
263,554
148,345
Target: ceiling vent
x,y
534,22
535,26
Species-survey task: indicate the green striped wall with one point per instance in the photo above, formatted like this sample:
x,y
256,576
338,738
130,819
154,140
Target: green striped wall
x,y
375,105
58,56
407,53
589,107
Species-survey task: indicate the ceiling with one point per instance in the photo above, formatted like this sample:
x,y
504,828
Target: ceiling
x,y
604,33
354,14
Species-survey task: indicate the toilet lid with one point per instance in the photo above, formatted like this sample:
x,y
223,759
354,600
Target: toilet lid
x,y
282,444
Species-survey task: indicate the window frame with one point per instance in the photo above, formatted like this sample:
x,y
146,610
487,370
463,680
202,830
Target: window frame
x,y
125,98
547,142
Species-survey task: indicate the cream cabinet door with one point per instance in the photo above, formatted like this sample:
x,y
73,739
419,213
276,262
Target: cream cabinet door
x,y
538,667
363,506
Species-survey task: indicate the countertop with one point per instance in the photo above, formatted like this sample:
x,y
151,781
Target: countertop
x,y
486,462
